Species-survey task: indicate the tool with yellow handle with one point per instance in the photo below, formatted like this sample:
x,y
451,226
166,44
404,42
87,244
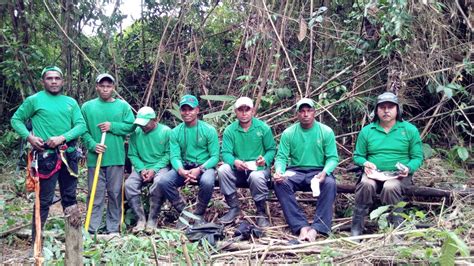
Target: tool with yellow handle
x,y
94,185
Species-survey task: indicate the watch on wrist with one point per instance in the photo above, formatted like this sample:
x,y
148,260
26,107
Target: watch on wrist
x,y
202,168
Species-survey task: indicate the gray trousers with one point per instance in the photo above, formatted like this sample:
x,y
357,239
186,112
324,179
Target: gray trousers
x,y
391,191
134,184
257,181
109,180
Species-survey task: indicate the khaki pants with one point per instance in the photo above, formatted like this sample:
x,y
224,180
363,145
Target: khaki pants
x,y
391,191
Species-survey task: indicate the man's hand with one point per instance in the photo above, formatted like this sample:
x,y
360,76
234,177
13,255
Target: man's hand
x,y
53,142
260,161
240,165
193,175
369,167
147,175
36,142
403,174
104,127
278,178
321,176
100,148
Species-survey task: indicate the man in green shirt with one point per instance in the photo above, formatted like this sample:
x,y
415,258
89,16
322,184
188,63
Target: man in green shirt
x,y
56,119
248,148
115,118
194,152
306,157
380,146
148,152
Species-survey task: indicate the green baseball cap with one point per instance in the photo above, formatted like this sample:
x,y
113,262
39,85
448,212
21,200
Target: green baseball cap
x,y
189,100
304,101
51,68
144,115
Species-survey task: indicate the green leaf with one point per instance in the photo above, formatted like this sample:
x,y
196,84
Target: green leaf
x,y
191,215
379,211
462,153
175,113
216,114
401,204
428,152
383,221
220,98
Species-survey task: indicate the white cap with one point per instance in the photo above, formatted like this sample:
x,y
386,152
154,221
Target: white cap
x,y
243,101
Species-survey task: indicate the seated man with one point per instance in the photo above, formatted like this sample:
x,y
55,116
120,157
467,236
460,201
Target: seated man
x,y
194,152
309,149
149,154
248,148
380,146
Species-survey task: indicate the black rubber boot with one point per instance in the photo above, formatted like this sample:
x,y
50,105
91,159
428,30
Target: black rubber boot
x,y
155,208
395,218
358,219
262,218
199,212
136,204
179,206
234,210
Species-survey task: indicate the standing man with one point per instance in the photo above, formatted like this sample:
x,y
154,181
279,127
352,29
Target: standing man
x,y
56,120
115,118
148,151
380,146
307,151
194,152
248,148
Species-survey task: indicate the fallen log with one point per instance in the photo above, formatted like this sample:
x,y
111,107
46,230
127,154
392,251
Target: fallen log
x,y
416,191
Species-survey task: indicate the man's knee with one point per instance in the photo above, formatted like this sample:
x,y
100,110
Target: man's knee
x,y
208,178
224,170
392,185
257,177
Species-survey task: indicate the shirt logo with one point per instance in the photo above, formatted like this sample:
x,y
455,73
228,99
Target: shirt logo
x,y
259,133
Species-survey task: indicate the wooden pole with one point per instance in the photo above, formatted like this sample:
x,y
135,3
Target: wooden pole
x,y
73,234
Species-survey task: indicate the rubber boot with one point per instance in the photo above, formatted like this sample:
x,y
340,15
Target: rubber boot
x,y
234,210
395,218
262,219
155,208
179,206
136,204
358,219
199,212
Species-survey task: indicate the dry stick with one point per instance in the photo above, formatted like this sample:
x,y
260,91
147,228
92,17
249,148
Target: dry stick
x,y
428,125
157,262
185,251
265,253
284,49
236,61
198,61
310,67
441,114
155,66
322,242
465,116
468,22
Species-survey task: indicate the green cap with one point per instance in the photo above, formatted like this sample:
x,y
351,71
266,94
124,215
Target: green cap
x,y
144,115
189,100
51,68
304,101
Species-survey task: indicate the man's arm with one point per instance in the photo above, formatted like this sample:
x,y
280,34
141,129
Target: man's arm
x,y
175,151
165,159
79,126
330,152
282,154
360,152
416,151
126,126
269,145
213,148
87,138
228,148
19,118
133,155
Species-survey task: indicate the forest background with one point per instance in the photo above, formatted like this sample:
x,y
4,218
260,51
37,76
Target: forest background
x,y
341,53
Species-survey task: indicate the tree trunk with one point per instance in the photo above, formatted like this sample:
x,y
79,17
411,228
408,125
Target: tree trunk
x,y
73,232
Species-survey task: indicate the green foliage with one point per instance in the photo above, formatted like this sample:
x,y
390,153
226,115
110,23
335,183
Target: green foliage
x,y
451,246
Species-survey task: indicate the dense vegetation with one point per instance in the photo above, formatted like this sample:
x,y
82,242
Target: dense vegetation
x,y
340,53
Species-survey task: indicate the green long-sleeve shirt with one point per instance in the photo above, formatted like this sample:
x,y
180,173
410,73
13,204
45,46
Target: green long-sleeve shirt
x,y
121,118
51,115
247,146
151,150
198,144
307,148
401,144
